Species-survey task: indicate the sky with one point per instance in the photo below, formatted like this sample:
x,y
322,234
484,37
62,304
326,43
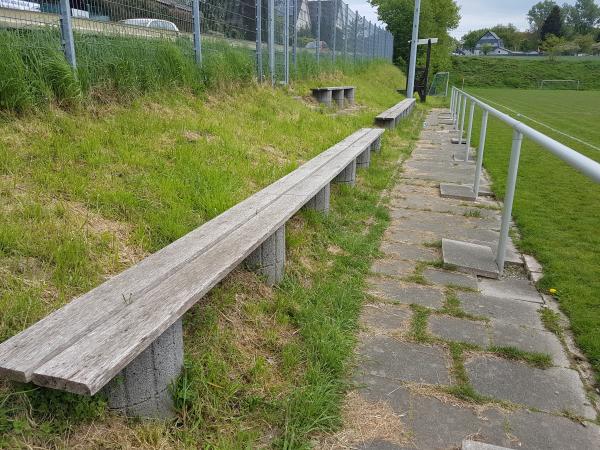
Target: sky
x,y
475,13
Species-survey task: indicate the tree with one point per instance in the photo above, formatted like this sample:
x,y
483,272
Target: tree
x,y
585,43
438,17
552,45
583,17
552,24
487,49
538,14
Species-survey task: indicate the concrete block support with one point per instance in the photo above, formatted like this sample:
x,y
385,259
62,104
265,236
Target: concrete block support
x,y
364,159
349,95
142,388
269,259
338,97
324,96
348,175
376,145
321,201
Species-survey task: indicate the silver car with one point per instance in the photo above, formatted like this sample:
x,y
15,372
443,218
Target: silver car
x,y
157,24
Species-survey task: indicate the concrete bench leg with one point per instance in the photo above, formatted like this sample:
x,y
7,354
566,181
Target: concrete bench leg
x,y
324,97
269,259
142,388
349,95
376,145
364,159
338,96
320,202
348,175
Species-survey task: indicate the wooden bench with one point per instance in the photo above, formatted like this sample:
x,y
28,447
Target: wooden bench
x,y
124,337
343,95
390,118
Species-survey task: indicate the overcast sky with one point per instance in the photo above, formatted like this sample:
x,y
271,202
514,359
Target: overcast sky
x,y
475,13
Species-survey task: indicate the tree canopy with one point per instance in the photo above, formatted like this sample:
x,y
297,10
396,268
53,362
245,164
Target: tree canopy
x,y
553,24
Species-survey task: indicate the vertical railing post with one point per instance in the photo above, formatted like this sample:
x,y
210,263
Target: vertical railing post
x,y
509,197
319,16
197,35
259,54
295,45
271,40
412,62
286,43
463,114
66,29
346,19
355,36
452,105
470,131
335,12
364,38
480,151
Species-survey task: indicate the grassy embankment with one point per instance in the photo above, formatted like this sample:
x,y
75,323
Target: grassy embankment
x,y
86,193
522,73
556,209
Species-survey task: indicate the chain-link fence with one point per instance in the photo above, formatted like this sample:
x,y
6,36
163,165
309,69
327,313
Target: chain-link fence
x,y
281,36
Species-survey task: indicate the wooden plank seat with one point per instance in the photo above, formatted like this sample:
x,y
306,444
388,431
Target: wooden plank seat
x,y
342,95
124,337
389,119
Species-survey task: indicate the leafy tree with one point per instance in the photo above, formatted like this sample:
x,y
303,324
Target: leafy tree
x,y
552,45
552,24
538,14
585,43
487,49
583,17
437,18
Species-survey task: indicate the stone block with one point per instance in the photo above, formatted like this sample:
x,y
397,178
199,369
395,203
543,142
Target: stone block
x,y
406,293
460,330
321,201
269,258
363,161
348,175
470,258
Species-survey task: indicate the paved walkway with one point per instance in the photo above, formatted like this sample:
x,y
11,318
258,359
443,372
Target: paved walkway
x,y
442,354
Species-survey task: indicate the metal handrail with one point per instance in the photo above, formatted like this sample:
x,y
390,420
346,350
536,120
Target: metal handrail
x,y
458,109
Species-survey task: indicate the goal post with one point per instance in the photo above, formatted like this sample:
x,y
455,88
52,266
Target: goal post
x,y
561,84
439,84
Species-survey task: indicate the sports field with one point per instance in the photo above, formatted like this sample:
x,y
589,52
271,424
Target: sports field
x,y
556,208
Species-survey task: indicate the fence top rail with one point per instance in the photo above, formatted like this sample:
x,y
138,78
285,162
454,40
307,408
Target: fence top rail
x,y
585,165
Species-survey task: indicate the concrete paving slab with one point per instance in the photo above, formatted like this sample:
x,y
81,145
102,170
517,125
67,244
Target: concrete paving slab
x,y
457,141
445,278
457,191
554,390
460,330
501,309
383,318
415,237
529,340
387,357
410,252
470,258
393,267
406,293
476,445
512,256
510,288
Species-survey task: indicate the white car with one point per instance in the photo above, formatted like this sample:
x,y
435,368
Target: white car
x,y
20,5
157,24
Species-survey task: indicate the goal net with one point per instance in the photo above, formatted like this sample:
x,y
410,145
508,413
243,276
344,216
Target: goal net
x,y
560,84
439,84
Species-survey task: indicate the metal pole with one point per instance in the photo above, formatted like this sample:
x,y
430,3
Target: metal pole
x,y
319,12
346,32
271,43
463,115
413,51
295,44
286,44
259,55
452,104
470,131
364,39
480,150
66,29
509,197
355,36
335,12
197,36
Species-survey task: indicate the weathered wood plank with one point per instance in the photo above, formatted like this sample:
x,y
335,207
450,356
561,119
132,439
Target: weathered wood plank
x,y
96,358
22,354
396,110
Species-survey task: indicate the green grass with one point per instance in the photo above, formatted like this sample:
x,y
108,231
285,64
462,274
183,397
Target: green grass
x,y
556,208
522,73
539,360
86,194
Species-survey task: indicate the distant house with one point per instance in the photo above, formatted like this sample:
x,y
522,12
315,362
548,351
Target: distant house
x,y
492,40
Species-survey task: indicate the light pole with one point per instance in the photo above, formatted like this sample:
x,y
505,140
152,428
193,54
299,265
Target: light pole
x,y
413,51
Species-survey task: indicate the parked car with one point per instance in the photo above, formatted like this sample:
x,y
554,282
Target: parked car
x,y
313,45
157,24
20,5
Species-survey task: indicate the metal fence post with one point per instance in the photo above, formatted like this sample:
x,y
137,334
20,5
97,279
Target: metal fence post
x,y
286,44
509,197
335,12
318,46
364,37
66,30
346,32
480,150
295,45
470,130
271,40
463,114
197,36
355,35
259,55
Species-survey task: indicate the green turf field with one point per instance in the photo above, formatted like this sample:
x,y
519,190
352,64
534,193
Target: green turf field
x,y
556,208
